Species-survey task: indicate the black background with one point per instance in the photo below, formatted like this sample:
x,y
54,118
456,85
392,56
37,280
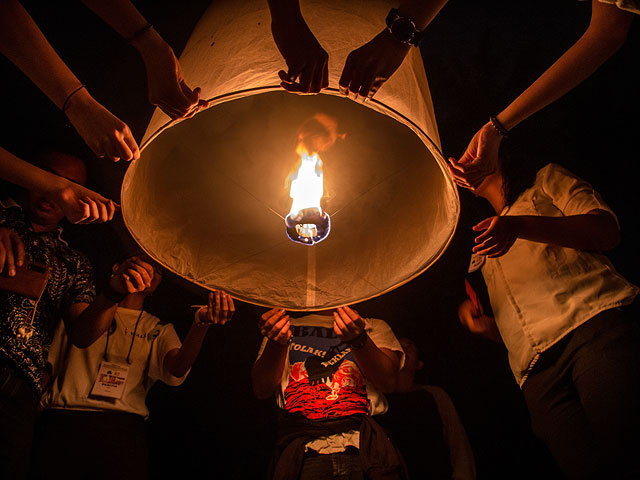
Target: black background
x,y
478,56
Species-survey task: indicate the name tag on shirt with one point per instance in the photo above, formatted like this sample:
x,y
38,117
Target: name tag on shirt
x,y
112,377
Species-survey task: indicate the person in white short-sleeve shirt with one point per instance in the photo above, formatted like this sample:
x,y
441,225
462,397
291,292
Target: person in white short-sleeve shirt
x,y
96,397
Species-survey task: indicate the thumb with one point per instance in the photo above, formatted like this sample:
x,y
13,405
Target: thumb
x,y
191,95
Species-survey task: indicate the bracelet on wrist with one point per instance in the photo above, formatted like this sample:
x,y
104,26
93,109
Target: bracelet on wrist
x,y
66,100
358,342
139,33
113,295
498,127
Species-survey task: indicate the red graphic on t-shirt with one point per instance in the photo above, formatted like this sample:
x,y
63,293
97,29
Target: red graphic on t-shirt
x,y
344,395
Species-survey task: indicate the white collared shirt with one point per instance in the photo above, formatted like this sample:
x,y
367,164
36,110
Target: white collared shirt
x,y
540,292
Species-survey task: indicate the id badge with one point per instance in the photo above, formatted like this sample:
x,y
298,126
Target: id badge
x,y
111,379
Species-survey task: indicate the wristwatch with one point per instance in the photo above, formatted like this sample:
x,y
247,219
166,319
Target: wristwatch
x,y
402,28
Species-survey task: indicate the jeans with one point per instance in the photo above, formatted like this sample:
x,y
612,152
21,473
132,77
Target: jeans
x,y
342,466
584,398
18,403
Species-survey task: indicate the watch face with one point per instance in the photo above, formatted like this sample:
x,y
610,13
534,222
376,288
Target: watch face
x,y
403,29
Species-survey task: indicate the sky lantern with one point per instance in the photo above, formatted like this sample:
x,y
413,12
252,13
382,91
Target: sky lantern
x,y
304,202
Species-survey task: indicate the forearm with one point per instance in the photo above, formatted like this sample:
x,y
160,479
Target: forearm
x,y
124,18
22,42
88,326
28,176
121,15
378,367
421,12
285,14
591,231
604,36
179,361
266,373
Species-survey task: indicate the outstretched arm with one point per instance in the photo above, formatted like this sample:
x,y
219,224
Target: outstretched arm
x,y
307,62
368,67
86,323
22,42
218,312
596,230
604,36
266,373
79,204
167,87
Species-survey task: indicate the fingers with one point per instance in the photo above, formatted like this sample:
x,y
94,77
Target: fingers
x,y
224,307
83,213
132,147
348,324
284,333
111,209
465,175
275,325
12,252
138,272
96,210
269,319
312,78
306,77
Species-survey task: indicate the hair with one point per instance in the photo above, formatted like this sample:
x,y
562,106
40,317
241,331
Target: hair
x,y
518,171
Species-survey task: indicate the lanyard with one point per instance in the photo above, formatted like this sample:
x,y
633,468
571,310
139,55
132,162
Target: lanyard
x,y
133,338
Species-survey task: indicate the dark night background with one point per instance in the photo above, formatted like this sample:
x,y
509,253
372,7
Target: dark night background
x,y
478,56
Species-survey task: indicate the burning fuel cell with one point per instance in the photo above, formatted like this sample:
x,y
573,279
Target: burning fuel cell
x,y
306,222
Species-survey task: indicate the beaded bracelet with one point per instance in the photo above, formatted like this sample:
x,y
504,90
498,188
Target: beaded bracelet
x,y
498,126
139,33
66,100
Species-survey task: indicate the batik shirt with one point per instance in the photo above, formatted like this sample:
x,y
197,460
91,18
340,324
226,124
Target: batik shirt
x,y
70,282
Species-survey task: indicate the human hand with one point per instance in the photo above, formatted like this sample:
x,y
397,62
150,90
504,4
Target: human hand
x,y
167,88
219,310
81,205
479,160
307,62
498,236
11,251
369,66
348,324
105,134
275,325
474,319
134,275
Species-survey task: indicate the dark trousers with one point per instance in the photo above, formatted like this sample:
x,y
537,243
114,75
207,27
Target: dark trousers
x,y
18,403
74,445
584,398
343,466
